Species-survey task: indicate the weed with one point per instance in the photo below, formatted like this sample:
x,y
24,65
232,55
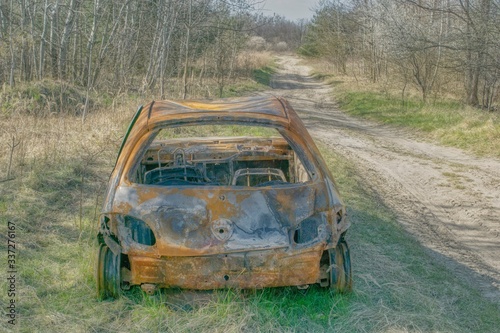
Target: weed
x,y
397,284
264,75
444,120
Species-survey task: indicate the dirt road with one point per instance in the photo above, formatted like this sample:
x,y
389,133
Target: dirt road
x,y
448,199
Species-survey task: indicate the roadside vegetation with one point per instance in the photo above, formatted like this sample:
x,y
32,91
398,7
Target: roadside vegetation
x,y
167,49
429,66
435,47
446,121
449,123
60,173
264,75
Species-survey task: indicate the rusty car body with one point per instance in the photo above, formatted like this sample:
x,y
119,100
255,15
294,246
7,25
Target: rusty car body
x,y
221,212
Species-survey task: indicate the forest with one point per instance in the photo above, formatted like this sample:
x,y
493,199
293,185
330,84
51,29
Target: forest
x,y
165,48
438,46
170,47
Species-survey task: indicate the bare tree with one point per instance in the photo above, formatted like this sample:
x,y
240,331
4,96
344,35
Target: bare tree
x,y
68,28
427,38
114,44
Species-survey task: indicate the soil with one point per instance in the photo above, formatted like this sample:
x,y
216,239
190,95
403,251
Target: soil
x,y
448,199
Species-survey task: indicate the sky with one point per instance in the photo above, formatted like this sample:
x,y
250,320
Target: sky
x,y
291,9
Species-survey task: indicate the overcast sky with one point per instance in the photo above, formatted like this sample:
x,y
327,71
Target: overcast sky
x,y
291,9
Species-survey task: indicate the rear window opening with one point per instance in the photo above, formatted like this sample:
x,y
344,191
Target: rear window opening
x,y
220,155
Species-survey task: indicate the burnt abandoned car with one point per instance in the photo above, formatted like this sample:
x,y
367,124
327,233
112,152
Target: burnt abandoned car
x,y
221,194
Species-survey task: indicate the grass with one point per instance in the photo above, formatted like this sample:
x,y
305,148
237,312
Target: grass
x,y
264,75
399,287
58,188
60,171
217,131
257,67
457,180
47,97
243,87
445,120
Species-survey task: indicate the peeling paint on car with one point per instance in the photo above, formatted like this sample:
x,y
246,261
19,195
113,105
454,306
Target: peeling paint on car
x,y
219,212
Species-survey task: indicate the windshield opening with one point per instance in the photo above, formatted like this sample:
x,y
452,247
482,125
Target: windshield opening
x,y
220,155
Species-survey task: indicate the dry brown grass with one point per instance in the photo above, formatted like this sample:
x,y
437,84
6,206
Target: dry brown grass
x,y
251,60
53,139
60,170
391,83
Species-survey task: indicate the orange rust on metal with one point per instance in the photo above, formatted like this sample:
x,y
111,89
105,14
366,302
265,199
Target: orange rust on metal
x,y
183,218
243,270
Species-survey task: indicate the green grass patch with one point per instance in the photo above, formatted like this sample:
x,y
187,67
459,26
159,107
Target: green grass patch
x,y
264,75
44,97
217,131
448,122
243,87
258,80
394,111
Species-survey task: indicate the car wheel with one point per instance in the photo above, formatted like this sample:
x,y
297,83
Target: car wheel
x,y
108,273
340,268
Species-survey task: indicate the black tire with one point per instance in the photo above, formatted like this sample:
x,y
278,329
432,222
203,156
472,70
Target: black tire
x,y
108,273
340,268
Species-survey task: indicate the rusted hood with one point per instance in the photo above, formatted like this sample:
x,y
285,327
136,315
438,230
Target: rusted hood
x,y
191,221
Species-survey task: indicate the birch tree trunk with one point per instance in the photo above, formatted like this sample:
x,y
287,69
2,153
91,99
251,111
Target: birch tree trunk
x,y
68,27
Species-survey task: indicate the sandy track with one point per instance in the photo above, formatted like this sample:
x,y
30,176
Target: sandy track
x,y
448,199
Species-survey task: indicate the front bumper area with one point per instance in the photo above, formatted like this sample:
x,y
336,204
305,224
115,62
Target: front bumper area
x,y
244,270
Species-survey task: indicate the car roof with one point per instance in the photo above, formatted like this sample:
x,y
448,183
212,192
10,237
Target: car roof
x,y
268,105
